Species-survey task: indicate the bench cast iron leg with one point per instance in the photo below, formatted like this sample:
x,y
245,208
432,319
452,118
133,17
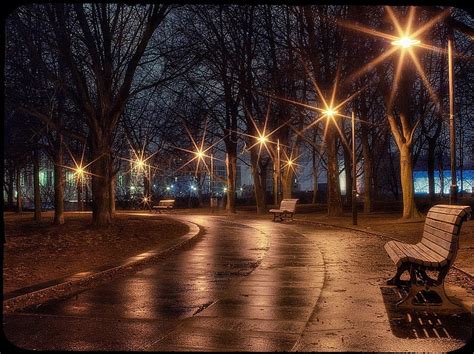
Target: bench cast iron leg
x,y
396,278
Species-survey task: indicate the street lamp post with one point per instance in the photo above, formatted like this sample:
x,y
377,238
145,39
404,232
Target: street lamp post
x,y
278,173
454,188
354,177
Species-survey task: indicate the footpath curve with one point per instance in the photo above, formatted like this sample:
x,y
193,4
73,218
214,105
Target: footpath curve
x,y
63,287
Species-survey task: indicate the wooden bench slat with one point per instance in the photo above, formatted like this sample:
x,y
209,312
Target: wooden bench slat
x,y
453,211
437,240
428,253
396,254
417,255
449,218
447,236
411,252
441,261
449,228
436,248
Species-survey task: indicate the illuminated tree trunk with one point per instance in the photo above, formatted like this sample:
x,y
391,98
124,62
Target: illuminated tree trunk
x,y
403,139
408,190
366,153
231,174
101,213
315,180
333,189
287,183
258,186
431,168
348,175
441,174
36,186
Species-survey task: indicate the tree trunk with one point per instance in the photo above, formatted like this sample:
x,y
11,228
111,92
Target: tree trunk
x,y
408,191
87,194
258,188
101,213
10,198
431,168
80,204
58,184
333,189
19,201
441,175
275,182
36,186
287,183
112,196
348,175
367,156
231,174
315,179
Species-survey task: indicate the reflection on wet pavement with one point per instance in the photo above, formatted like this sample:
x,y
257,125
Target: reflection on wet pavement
x,y
130,312
252,286
267,310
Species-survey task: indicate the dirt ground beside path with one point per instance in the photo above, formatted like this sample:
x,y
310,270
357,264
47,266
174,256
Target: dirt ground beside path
x,y
38,252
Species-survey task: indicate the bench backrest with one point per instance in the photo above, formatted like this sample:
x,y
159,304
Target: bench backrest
x,y
166,202
288,204
442,227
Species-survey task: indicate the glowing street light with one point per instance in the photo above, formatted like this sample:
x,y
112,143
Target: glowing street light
x,y
79,172
406,42
199,154
330,112
139,164
262,139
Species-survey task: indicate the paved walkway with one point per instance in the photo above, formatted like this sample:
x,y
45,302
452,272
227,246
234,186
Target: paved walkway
x,y
252,285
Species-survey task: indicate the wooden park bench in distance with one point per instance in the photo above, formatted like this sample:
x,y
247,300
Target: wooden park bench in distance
x,y
436,251
164,204
287,209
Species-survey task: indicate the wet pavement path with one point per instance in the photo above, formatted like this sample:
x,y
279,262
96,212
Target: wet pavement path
x,y
356,310
156,308
247,285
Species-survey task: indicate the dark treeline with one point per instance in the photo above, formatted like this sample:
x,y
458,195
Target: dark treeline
x,y
90,82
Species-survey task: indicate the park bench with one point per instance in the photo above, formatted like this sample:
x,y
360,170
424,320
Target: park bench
x,y
287,209
164,204
436,252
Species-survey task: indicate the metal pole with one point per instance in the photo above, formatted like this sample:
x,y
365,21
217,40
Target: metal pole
x,y
454,188
211,180
354,177
278,173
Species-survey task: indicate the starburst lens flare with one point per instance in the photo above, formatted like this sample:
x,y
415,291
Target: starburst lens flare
x,y
262,139
330,112
406,42
199,154
140,163
79,172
